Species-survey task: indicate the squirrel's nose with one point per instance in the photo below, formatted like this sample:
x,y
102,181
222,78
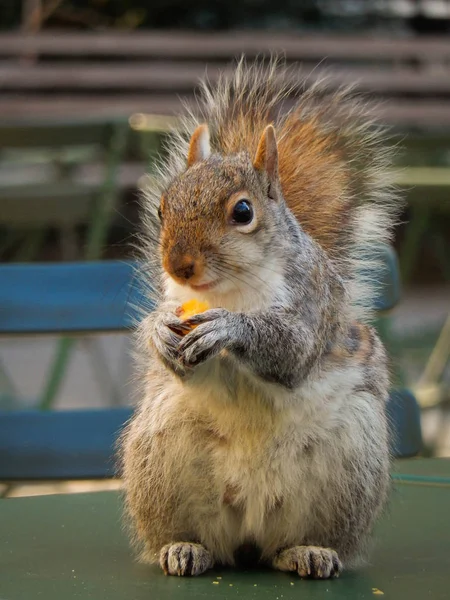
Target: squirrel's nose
x,y
184,268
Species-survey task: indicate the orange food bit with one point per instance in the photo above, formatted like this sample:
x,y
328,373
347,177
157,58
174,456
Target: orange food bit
x,y
191,308
186,311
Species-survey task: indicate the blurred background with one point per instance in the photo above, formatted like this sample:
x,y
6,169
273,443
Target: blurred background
x,y
88,91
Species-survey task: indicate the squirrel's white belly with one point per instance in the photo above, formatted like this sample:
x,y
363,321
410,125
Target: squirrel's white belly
x,y
268,466
263,465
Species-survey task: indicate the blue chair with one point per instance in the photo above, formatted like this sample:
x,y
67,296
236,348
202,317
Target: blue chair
x,y
99,297
64,299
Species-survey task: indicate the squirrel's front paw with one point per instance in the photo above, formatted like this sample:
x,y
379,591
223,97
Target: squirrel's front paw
x,y
184,558
166,342
214,331
309,561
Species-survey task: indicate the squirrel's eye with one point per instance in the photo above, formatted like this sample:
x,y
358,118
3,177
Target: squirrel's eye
x,y
242,213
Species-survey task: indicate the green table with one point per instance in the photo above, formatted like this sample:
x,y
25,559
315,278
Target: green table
x,y
73,546
436,470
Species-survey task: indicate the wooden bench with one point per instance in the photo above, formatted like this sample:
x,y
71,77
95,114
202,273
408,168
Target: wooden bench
x,y
145,71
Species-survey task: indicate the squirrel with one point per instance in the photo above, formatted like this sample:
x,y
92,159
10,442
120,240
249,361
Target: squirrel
x,y
264,422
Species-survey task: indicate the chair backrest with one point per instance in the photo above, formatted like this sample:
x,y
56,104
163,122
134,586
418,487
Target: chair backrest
x,y
77,297
73,444
99,297
70,298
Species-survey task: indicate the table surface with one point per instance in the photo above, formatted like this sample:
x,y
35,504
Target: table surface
x,y
435,470
73,546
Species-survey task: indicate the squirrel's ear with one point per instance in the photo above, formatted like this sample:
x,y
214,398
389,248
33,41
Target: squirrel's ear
x,y
199,146
266,157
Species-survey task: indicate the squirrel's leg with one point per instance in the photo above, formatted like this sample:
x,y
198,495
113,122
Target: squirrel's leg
x,y
185,558
309,561
173,498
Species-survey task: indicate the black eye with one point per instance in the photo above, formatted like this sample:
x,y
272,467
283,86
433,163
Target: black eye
x,y
242,213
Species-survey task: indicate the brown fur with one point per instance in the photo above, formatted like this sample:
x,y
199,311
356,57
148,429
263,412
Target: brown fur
x,y
330,155
314,175
358,344
315,184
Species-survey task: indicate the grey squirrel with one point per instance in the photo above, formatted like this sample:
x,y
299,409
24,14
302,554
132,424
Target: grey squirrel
x,y
262,420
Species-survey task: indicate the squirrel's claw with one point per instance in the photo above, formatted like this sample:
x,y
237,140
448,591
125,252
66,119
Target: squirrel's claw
x,y
206,340
207,316
309,561
185,559
200,349
165,340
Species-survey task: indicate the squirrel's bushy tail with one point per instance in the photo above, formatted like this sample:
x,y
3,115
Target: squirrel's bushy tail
x,y
333,163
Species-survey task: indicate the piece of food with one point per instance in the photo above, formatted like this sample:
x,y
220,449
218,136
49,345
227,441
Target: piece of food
x,y
186,311
190,309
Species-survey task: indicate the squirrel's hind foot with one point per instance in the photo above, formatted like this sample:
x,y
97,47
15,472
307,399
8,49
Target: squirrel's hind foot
x,y
309,561
184,559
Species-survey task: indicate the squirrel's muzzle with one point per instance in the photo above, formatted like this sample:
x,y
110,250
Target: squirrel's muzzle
x,y
182,266
185,269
